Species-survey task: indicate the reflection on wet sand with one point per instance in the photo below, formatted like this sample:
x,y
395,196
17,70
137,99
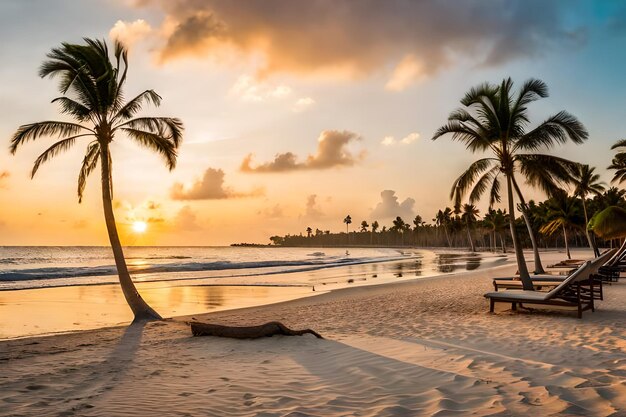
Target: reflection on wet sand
x,y
62,309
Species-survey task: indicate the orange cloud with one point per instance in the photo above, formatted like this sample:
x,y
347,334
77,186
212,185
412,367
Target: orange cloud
x,y
209,187
331,152
358,37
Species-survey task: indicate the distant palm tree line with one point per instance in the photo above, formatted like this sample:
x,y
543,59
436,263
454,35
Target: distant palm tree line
x,y
557,222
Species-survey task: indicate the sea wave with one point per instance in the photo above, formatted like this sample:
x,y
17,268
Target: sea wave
x,y
47,273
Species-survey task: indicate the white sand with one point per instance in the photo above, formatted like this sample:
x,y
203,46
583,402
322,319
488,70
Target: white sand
x,y
427,347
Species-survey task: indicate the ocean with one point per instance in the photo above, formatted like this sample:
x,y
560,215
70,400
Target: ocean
x,y
55,266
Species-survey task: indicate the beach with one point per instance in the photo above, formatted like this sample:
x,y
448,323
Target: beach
x,y
426,346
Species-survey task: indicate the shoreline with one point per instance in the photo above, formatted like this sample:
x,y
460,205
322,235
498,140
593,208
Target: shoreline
x,y
420,347
82,307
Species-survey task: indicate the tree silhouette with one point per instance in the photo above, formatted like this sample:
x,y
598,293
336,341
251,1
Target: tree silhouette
x,y
587,182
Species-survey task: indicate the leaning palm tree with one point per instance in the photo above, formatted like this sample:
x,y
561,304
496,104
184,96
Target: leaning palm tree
x,y
587,182
92,94
494,121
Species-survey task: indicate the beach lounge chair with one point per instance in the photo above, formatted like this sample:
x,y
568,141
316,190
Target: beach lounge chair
x,y
577,291
547,281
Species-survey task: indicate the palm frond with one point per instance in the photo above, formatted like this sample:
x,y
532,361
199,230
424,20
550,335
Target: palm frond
x,y
462,184
551,174
164,146
619,144
133,106
90,161
163,126
73,108
556,129
494,193
34,131
54,150
484,183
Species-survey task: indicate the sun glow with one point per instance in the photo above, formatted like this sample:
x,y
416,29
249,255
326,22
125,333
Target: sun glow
x,y
139,226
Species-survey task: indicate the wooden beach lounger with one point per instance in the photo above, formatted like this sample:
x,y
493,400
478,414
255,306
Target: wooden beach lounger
x,y
577,291
548,281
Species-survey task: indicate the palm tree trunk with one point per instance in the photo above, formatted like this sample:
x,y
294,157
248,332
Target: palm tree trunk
x,y
502,243
140,308
538,266
469,237
527,284
592,244
566,243
445,228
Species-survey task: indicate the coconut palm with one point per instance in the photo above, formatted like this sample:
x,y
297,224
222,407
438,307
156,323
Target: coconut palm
x,y
399,227
587,182
375,226
92,94
494,121
347,220
364,226
417,222
470,216
309,231
442,219
562,213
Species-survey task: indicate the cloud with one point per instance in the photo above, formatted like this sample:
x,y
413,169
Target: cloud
x,y
249,89
407,140
303,104
129,33
410,138
209,187
4,176
408,70
356,38
331,152
389,207
275,212
186,219
312,208
388,141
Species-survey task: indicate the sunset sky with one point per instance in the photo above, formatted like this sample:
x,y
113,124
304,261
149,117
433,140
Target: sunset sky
x,y
296,113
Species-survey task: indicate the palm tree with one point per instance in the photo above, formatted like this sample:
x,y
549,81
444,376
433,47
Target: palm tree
x,y
442,219
398,226
364,226
375,227
497,124
417,222
587,182
92,93
347,221
470,215
562,214
308,232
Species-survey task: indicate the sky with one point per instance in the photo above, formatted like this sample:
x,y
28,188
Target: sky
x,y
296,114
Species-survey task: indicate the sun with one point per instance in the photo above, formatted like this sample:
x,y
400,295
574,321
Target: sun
x,y
139,226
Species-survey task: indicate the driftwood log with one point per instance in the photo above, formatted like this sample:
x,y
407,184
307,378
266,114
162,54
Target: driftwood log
x,y
248,332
